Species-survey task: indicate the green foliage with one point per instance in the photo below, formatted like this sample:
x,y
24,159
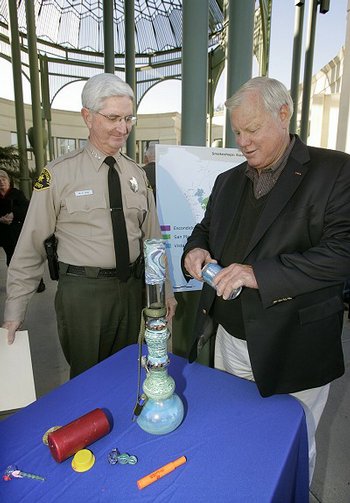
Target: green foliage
x,y
10,161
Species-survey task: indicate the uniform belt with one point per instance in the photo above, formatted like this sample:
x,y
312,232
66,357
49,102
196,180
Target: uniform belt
x,y
78,270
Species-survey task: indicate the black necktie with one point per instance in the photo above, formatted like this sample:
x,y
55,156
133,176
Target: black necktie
x,y
120,236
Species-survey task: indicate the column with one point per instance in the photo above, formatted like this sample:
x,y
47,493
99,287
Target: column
x,y
343,136
37,136
25,181
108,36
130,75
239,56
297,45
194,72
193,132
45,93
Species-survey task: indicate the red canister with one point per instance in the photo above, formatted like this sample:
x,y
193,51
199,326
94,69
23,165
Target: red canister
x,y
81,432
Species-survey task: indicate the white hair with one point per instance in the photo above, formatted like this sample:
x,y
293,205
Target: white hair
x,y
102,86
273,93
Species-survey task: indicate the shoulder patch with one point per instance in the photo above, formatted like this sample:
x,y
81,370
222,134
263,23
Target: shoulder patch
x,y
43,181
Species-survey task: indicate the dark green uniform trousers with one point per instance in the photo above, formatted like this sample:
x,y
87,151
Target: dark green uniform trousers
x,y
96,317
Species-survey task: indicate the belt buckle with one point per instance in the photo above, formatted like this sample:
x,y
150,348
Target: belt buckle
x,y
92,272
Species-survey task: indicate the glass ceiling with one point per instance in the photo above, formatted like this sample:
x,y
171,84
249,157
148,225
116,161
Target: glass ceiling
x,y
70,37
78,24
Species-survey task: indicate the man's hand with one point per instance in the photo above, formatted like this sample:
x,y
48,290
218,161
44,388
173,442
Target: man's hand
x,y
171,304
195,260
232,277
12,327
7,219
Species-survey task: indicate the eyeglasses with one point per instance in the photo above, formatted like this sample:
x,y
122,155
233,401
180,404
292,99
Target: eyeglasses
x,y
130,120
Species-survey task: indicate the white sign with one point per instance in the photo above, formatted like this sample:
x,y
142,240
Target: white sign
x,y
185,176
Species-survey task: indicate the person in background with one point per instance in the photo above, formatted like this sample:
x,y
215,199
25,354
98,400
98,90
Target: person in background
x,y
98,304
13,209
279,225
150,166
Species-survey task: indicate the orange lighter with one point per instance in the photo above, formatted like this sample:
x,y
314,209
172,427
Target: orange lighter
x,y
157,474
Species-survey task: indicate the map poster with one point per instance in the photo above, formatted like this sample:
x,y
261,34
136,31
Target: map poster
x,y
185,176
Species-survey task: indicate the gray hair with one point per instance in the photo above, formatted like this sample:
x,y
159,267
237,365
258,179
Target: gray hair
x,y
272,92
102,86
5,174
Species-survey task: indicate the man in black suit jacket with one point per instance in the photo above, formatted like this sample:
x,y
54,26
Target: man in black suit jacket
x,y
279,224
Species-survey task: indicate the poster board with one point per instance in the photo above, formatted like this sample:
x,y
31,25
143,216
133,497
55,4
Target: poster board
x,y
185,176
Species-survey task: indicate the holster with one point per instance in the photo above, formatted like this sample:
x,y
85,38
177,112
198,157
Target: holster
x,y
138,269
50,245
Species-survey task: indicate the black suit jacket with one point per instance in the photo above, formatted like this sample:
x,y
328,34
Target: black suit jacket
x,y
300,253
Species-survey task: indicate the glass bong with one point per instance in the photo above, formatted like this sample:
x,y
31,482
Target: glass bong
x,y
159,409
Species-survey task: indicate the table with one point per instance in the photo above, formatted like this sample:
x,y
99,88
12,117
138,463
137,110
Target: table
x,y
239,446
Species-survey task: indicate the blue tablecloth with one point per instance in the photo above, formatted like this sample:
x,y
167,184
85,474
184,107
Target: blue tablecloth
x,y
239,446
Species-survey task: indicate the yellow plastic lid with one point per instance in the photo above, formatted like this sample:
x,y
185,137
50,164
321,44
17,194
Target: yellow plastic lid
x,y
83,460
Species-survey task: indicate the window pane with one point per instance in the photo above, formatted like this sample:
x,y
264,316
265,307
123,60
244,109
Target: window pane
x,y
29,148
65,145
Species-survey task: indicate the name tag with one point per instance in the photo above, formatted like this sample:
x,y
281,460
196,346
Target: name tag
x,y
87,192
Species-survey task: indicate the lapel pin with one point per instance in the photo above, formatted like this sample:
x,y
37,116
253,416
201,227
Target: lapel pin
x,y
297,173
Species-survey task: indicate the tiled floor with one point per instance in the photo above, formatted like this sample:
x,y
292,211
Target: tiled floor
x,y
331,483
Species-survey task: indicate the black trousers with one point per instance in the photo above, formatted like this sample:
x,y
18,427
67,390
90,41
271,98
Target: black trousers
x,y
8,239
9,249
96,317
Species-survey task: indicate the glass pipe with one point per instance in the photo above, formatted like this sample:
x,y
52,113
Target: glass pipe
x,y
162,410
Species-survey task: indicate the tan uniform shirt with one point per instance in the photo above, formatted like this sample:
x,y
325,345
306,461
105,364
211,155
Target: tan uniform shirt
x,y
71,200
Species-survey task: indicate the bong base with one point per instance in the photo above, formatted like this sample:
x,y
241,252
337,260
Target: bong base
x,y
161,416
